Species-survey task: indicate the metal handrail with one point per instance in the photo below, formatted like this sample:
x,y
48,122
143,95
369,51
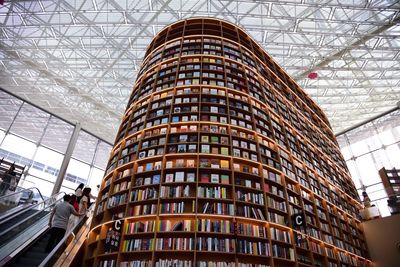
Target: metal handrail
x,y
56,248
34,214
24,190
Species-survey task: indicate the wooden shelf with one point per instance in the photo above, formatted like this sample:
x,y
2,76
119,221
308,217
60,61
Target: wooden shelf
x,y
212,111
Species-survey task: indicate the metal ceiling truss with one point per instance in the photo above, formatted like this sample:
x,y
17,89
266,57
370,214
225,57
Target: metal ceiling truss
x,y
79,59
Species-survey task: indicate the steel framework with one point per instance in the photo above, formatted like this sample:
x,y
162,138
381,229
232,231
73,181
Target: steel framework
x,y
79,59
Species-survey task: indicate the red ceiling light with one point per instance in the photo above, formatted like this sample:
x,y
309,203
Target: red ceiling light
x,y
312,75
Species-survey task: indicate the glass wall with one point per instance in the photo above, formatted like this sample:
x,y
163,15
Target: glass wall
x,y
369,148
38,140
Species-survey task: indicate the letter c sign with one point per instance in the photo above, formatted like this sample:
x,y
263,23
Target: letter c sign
x,y
117,225
298,219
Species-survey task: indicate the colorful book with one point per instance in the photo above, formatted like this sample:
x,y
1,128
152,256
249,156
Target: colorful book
x,y
224,179
190,177
205,178
215,163
169,178
224,164
214,178
179,177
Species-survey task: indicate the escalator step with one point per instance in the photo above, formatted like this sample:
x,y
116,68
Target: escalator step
x,y
35,255
30,262
38,249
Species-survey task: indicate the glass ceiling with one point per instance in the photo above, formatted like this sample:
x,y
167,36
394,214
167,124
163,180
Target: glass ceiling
x,y
79,59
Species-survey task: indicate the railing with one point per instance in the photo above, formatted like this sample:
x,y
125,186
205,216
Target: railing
x,y
84,222
21,197
16,238
40,207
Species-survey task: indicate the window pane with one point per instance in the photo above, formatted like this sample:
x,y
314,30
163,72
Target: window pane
x,y
77,172
344,147
102,155
45,187
393,153
367,170
363,139
351,164
9,106
18,149
376,192
95,178
67,190
388,127
383,207
2,134
30,122
85,147
58,134
46,164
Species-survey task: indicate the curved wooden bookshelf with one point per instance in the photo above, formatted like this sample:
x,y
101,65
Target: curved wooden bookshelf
x,y
216,151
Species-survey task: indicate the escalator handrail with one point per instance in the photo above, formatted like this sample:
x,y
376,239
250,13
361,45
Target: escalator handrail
x,y
28,208
56,248
32,215
24,190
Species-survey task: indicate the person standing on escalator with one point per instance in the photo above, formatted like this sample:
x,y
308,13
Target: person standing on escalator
x,y
59,221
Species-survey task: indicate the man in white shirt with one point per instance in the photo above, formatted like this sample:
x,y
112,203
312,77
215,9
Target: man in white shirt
x,y
58,221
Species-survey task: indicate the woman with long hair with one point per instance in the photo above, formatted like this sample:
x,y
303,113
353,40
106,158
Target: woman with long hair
x,y
84,202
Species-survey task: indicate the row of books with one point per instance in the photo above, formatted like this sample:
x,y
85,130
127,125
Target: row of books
x,y
223,140
183,138
167,225
276,218
273,190
283,252
250,212
117,200
243,154
140,227
180,243
151,152
207,149
215,244
146,209
280,235
179,177
108,263
251,230
215,264
214,178
183,263
173,263
175,191
142,244
256,198
177,207
121,186
212,192
143,194
254,248
155,179
136,263
219,208
215,226
275,204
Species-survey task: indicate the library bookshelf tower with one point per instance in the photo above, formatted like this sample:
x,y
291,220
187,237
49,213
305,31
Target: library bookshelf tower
x,y
221,159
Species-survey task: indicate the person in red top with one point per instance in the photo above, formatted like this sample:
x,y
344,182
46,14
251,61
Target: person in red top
x,y
74,202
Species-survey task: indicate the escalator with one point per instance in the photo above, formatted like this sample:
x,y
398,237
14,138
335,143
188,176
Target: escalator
x,y
24,235
33,255
19,227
